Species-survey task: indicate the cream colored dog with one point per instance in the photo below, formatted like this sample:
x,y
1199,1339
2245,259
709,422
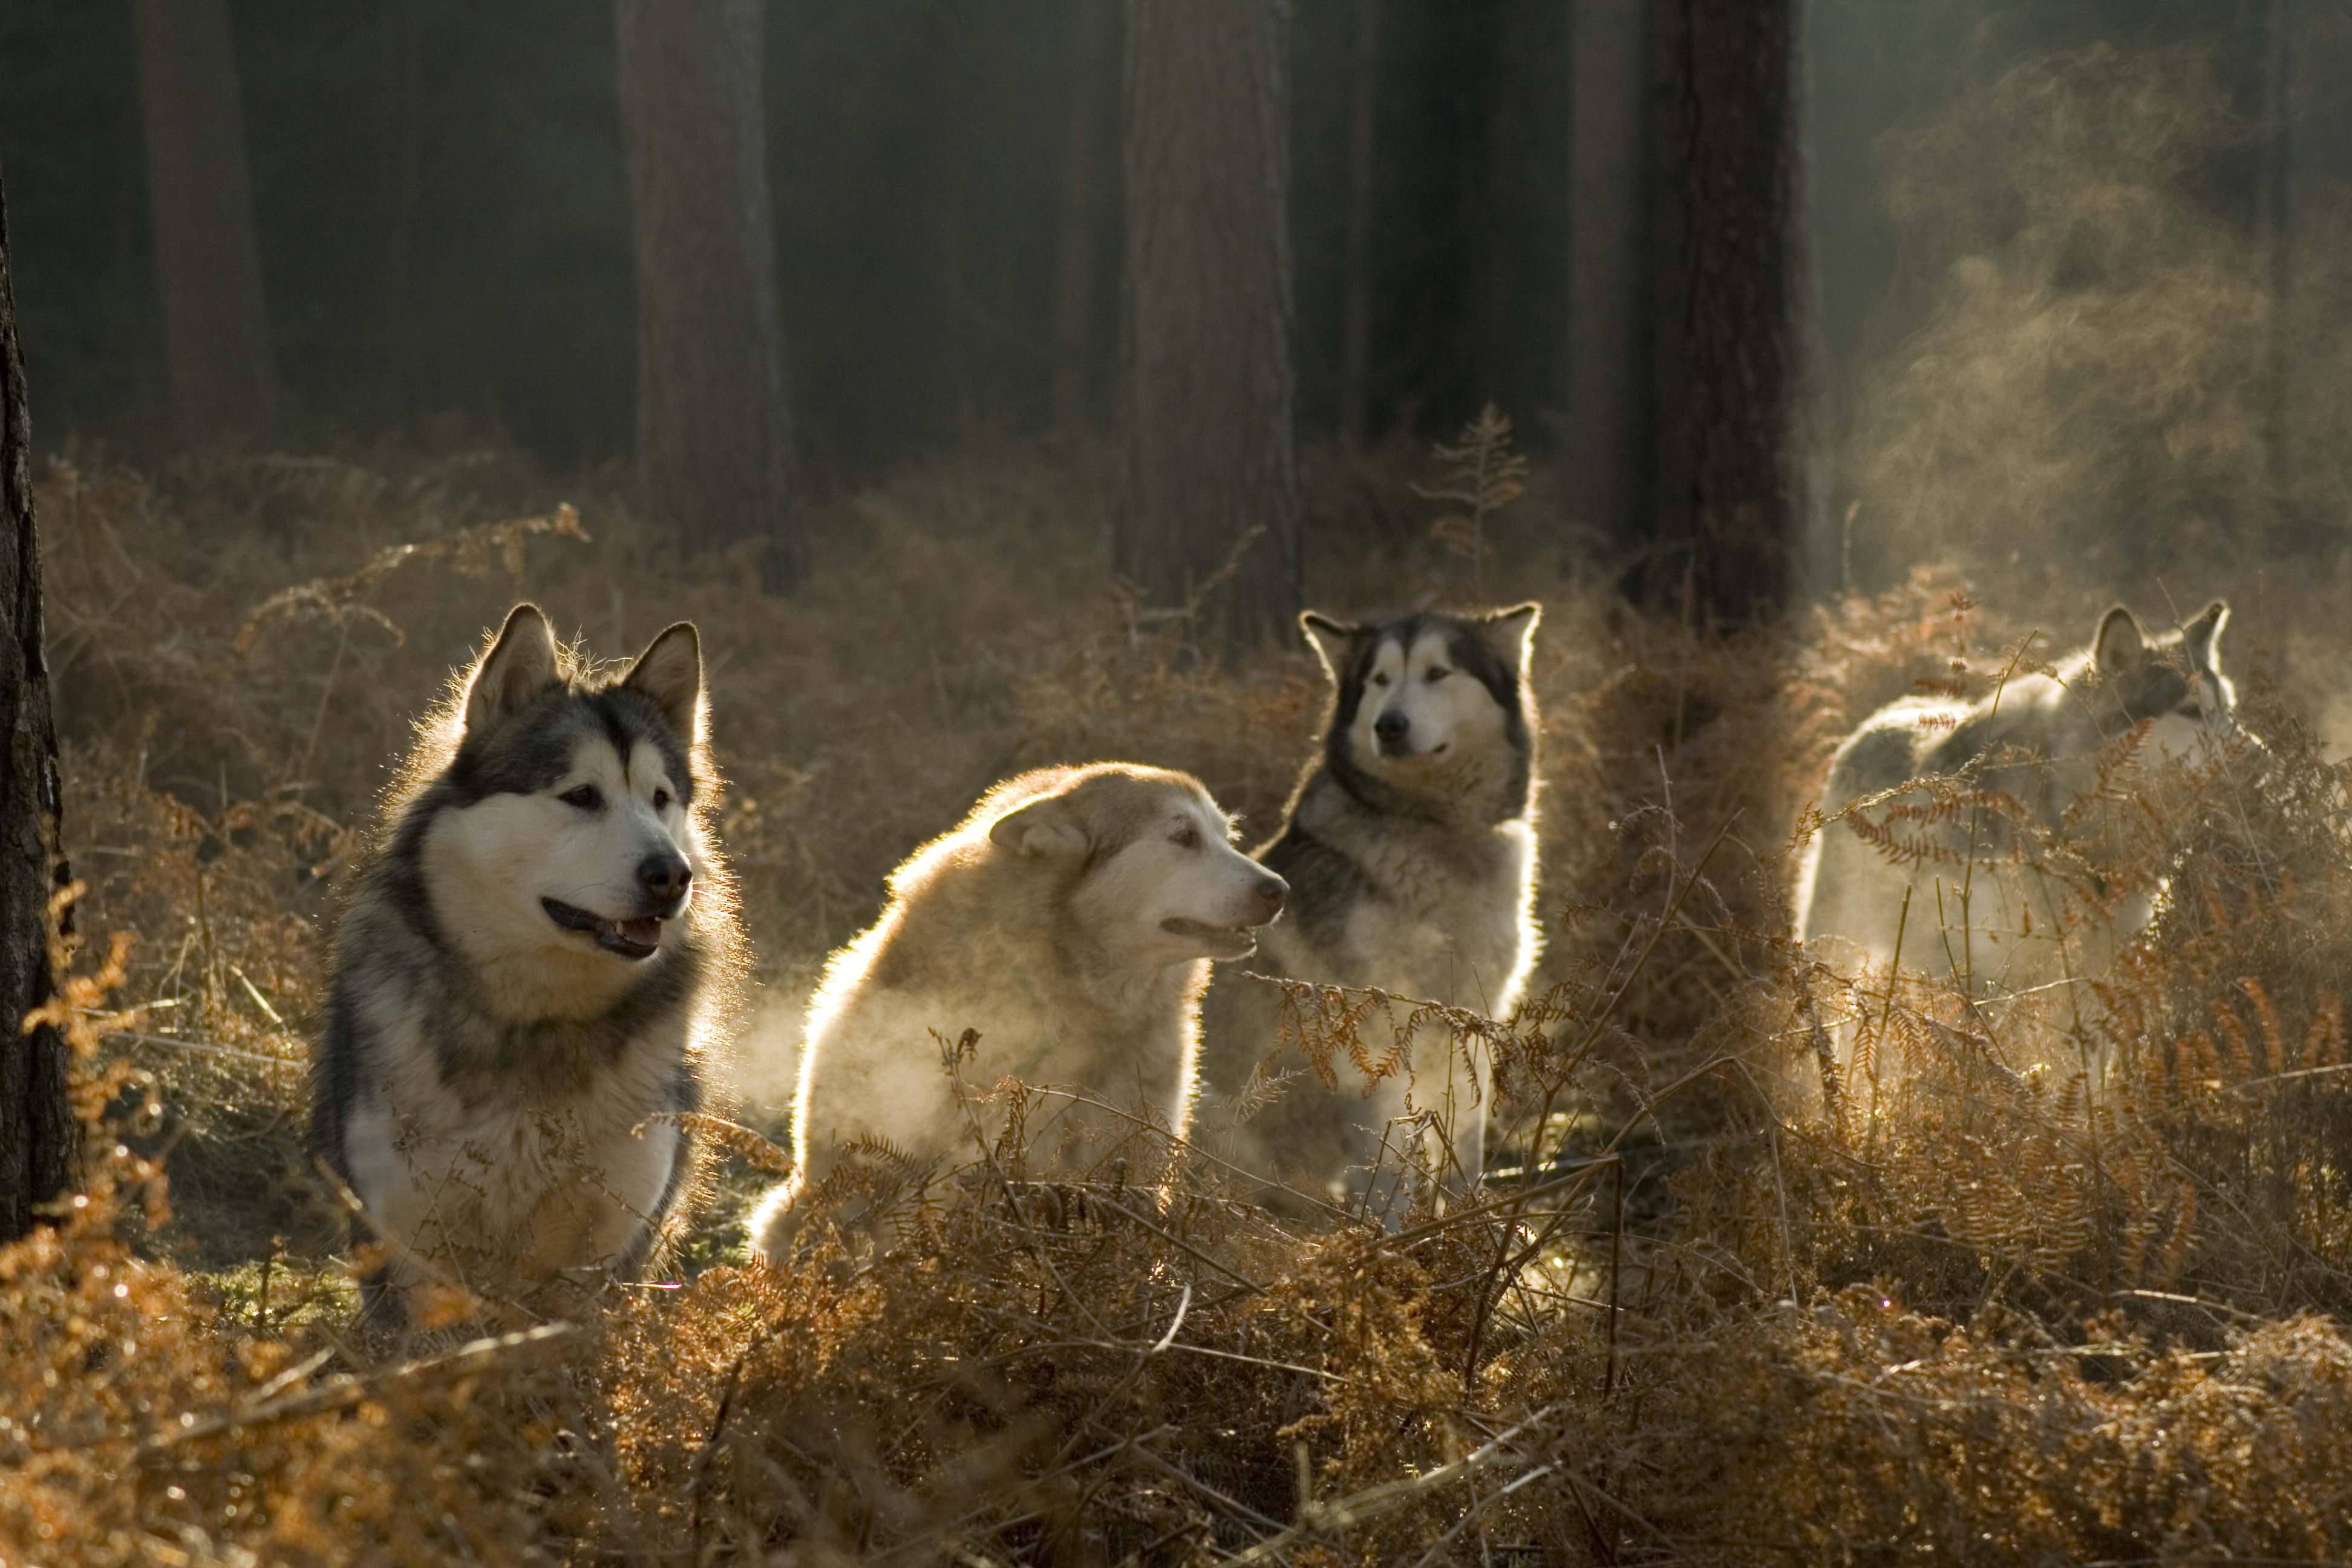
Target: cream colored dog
x,y
1069,920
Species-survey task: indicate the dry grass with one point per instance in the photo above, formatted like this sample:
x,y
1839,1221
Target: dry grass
x,y
1958,1300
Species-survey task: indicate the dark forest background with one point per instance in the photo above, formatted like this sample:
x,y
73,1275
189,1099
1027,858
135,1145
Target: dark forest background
x,y
442,216
444,222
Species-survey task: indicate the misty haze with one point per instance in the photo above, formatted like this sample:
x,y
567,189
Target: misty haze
x,y
1176,781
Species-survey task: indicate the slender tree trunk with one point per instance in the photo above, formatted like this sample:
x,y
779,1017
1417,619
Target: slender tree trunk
x,y
714,442
199,208
1722,395
404,142
1605,225
2277,27
1079,244
1356,309
37,1133
1212,475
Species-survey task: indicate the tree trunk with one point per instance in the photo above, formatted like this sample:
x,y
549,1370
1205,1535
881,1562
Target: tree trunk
x,y
404,143
200,206
2278,23
1356,260
1209,522
1077,245
38,1134
714,442
1605,227
1722,395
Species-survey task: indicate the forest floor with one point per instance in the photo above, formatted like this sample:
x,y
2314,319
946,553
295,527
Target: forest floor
x,y
2026,1284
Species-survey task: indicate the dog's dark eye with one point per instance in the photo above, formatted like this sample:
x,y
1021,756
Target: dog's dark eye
x,y
587,797
661,800
1379,681
1188,836
1437,675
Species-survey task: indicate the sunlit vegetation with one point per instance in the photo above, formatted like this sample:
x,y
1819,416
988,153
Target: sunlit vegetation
x,y
1781,1265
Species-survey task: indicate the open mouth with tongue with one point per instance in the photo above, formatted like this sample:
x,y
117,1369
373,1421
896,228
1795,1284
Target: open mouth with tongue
x,y
638,938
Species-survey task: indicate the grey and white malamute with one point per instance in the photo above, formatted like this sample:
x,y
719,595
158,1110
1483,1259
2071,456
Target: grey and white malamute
x,y
1068,922
533,958
2035,741
1410,848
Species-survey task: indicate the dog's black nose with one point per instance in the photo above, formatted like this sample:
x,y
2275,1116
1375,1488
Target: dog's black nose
x,y
1391,727
665,878
1270,894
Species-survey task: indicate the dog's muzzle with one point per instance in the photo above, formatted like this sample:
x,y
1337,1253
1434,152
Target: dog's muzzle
x,y
637,938
1234,941
1212,942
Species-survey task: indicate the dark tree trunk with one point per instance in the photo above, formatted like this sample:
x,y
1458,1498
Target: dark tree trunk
x,y
199,208
714,442
1722,397
1210,460
1078,246
2279,111
1356,258
38,1134
404,143
1606,224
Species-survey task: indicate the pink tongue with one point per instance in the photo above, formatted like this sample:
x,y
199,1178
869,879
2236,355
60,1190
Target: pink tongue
x,y
645,931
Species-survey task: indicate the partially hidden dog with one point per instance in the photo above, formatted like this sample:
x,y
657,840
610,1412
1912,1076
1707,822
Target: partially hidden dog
x,y
536,956
1410,848
1068,920
1979,907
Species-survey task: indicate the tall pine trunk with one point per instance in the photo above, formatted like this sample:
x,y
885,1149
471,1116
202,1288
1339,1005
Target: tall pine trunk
x,y
1077,243
1356,254
37,1133
1722,395
1606,225
199,208
1209,383
714,440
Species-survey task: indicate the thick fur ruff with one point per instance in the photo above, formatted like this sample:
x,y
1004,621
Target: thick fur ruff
x,y
1409,846
2036,740
1067,921
536,956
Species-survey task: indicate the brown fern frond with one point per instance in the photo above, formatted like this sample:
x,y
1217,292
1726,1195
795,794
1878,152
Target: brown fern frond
x,y
2209,1061
344,599
757,1150
2173,1258
2323,1045
2234,1032
2274,1052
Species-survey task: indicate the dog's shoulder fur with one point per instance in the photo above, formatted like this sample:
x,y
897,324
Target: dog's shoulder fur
x,y
1033,924
473,1054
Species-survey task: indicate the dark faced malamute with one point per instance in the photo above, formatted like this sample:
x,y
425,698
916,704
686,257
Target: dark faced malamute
x,y
1410,849
532,959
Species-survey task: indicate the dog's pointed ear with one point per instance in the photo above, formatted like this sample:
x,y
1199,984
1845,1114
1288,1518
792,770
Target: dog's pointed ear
x,y
522,666
1050,824
1512,632
1334,643
2204,635
670,672
2121,648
